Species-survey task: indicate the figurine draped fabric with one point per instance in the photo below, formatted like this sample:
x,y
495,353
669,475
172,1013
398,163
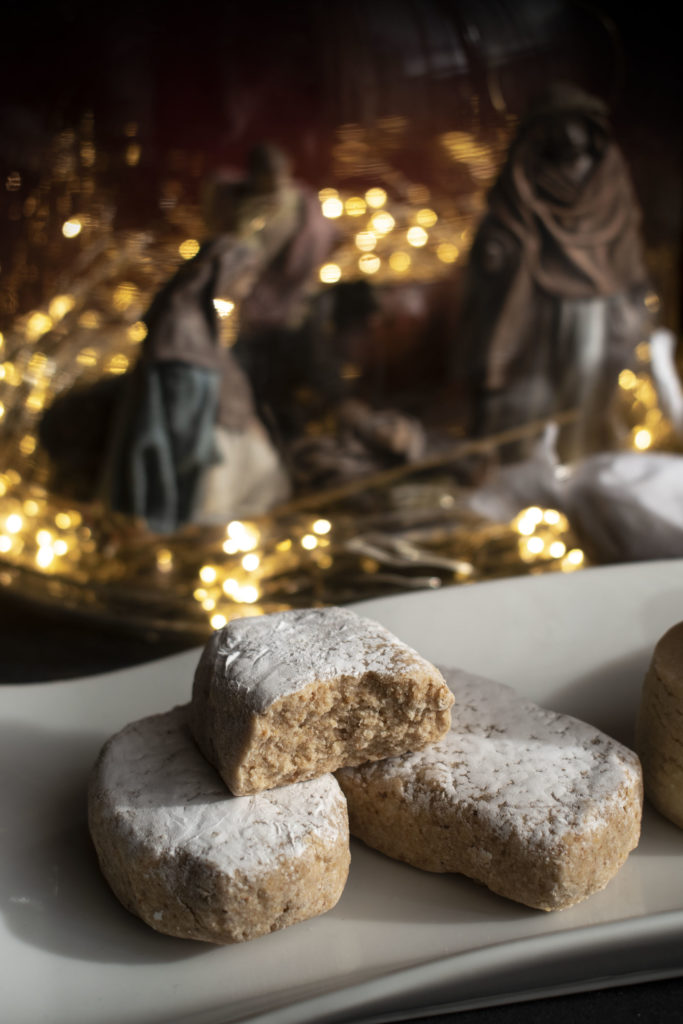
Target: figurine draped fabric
x,y
556,276
189,445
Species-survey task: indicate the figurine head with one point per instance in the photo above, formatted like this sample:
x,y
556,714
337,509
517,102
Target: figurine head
x,y
227,194
268,169
566,129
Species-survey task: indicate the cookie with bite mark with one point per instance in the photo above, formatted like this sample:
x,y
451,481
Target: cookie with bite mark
x,y
285,697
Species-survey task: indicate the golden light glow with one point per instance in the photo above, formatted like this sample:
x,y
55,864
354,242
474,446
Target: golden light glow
x,y
35,401
642,439
63,520
37,324
208,574
72,227
535,545
133,153
321,526
188,248
248,594
369,263
5,544
551,516
417,236
218,621
164,560
327,193
2,410
208,604
37,364
627,380
251,562
223,307
14,523
245,535
332,208
137,332
117,364
330,273
230,586
60,547
400,261
10,374
44,557
43,537
27,445
375,197
125,295
366,241
383,222
572,560
355,206
308,541
60,306
90,319
447,252
426,218
87,357
557,549
369,565
31,507
528,519
88,154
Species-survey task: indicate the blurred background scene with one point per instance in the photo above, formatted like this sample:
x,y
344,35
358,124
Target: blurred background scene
x,y
305,303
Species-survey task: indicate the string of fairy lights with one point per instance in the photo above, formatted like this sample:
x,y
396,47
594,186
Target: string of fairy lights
x,y
385,244
76,554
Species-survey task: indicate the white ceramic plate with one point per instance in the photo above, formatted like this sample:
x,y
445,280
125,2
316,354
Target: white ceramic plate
x,y
400,941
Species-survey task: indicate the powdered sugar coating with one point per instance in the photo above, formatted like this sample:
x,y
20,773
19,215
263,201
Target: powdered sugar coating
x,y
162,794
526,770
267,658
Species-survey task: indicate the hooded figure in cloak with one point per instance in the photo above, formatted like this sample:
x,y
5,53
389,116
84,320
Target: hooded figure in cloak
x,y
188,445
554,297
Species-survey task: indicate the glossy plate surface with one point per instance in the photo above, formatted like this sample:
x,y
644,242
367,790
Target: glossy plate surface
x,y
400,941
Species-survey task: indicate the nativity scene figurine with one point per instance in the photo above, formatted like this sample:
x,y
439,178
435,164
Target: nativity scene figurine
x,y
554,297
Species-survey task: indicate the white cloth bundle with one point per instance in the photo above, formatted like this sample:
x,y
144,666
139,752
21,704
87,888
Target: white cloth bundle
x,y
623,506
